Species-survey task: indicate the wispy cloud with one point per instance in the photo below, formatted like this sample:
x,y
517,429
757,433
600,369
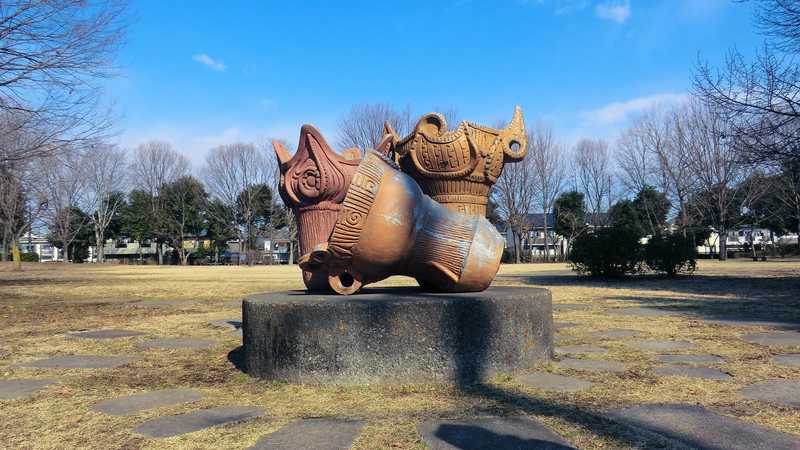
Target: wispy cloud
x,y
615,11
619,111
210,62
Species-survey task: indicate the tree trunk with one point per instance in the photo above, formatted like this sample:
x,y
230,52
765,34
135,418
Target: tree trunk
x,y
159,252
517,246
291,252
65,256
546,248
723,245
17,258
99,244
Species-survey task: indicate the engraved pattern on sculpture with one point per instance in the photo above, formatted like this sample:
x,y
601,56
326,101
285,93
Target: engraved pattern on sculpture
x,y
314,183
458,167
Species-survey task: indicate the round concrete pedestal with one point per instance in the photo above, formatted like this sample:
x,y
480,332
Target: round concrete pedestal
x,y
396,335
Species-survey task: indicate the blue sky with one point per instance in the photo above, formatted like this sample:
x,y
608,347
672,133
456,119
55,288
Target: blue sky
x,y
204,73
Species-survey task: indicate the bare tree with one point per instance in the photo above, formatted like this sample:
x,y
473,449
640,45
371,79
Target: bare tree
x,y
51,57
288,212
153,165
363,126
593,175
549,172
64,191
241,177
107,181
722,188
450,113
515,194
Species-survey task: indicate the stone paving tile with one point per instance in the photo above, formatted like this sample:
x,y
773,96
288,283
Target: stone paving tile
x,y
661,346
22,387
496,433
167,426
237,333
614,333
755,323
569,306
105,334
774,338
706,373
132,404
232,324
552,382
162,303
562,338
178,344
592,365
580,349
645,312
792,360
690,359
81,362
561,325
782,392
702,429
312,434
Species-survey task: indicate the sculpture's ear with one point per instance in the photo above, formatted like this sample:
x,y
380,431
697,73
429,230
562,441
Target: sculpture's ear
x,y
281,152
432,124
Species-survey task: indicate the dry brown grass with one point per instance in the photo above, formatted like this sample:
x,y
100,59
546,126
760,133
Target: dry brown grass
x,y
44,302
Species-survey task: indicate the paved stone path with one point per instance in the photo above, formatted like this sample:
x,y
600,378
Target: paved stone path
x,y
774,338
661,346
782,392
81,362
106,334
690,359
312,434
22,387
233,324
178,343
614,334
552,382
645,312
580,349
167,426
592,365
706,373
700,428
132,404
561,325
792,360
496,433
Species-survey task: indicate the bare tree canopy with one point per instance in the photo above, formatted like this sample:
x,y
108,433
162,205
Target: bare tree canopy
x,y
515,194
362,127
156,163
52,55
593,174
761,99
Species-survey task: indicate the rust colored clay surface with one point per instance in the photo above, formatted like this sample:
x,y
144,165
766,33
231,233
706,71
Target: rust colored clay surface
x,y
314,183
457,168
387,226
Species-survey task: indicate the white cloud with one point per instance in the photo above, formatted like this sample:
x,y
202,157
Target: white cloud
x,y
210,62
619,111
615,11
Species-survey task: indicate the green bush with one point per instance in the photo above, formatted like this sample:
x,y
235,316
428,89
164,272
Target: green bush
x,y
29,257
607,252
671,254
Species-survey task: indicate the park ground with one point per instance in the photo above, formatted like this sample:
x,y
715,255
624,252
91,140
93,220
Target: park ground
x,y
41,305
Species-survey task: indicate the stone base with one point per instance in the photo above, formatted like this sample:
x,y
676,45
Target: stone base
x,y
396,335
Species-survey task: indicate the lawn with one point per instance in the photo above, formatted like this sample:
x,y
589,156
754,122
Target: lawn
x,y
42,304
